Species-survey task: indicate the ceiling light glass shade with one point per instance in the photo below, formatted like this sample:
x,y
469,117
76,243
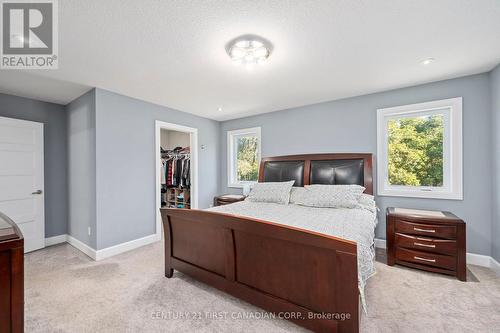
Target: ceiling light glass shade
x,y
238,61
237,52
248,52
256,43
261,60
243,43
260,52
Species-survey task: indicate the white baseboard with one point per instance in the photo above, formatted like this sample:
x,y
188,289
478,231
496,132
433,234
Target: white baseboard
x,y
472,258
479,260
494,265
127,246
104,253
79,245
380,243
49,241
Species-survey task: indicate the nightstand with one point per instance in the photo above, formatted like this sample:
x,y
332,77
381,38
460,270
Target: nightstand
x,y
429,240
227,199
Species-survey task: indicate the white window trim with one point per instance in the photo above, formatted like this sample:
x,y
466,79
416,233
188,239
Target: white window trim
x,y
231,171
452,141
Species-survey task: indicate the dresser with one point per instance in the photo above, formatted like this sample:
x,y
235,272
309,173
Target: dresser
x,y
227,199
11,277
428,240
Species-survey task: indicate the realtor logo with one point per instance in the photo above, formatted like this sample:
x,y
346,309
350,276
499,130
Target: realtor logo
x,y
29,34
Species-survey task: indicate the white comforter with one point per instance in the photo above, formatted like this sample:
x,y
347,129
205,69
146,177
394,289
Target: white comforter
x,y
353,224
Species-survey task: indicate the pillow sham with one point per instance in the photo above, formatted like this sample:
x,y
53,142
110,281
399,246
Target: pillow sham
x,y
367,201
332,196
297,195
277,192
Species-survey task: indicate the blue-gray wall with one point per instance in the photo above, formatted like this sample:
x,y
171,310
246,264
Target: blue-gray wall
x,y
495,108
54,118
81,140
99,155
126,179
349,125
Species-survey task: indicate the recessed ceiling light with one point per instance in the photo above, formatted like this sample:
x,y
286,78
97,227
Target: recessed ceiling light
x,y
248,50
219,109
428,61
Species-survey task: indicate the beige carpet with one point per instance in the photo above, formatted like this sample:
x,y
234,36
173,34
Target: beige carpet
x,y
68,292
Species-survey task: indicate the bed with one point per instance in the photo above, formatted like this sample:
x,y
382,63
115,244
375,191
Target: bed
x,y
285,266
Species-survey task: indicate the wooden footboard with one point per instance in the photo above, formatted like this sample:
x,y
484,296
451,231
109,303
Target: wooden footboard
x,y
306,277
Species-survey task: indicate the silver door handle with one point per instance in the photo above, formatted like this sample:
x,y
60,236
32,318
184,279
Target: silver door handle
x,y
37,192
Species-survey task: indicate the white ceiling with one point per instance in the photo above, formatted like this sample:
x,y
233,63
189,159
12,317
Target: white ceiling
x,y
172,52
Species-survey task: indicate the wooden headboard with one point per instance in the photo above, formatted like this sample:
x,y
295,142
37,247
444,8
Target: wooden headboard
x,y
329,169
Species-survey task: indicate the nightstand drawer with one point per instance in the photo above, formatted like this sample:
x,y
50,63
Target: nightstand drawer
x,y
442,246
425,258
429,230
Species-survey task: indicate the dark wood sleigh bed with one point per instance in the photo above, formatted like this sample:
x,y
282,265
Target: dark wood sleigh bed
x,y
299,275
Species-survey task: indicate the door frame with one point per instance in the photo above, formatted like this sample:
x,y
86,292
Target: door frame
x,y
41,158
193,141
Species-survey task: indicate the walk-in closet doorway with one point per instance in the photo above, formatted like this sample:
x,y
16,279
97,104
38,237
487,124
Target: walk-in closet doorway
x,y
176,161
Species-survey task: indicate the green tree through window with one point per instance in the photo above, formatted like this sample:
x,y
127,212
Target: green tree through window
x,y
247,158
415,151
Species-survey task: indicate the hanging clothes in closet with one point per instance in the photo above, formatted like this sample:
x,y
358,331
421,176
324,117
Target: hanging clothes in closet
x,y
176,168
175,171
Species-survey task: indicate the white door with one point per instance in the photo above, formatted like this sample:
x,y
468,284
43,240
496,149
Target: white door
x,y
21,178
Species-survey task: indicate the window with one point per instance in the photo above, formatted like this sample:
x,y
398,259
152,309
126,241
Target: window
x,y
419,150
243,148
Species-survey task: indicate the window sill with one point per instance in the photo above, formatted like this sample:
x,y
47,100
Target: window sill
x,y
239,185
421,194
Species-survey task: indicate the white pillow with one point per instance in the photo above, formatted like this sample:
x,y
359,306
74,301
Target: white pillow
x,y
333,196
277,192
297,195
367,201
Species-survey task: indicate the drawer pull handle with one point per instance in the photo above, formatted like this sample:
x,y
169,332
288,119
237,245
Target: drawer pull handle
x,y
424,259
424,230
425,245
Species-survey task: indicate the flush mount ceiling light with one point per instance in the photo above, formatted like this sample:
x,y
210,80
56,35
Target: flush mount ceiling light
x,y
248,50
428,61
